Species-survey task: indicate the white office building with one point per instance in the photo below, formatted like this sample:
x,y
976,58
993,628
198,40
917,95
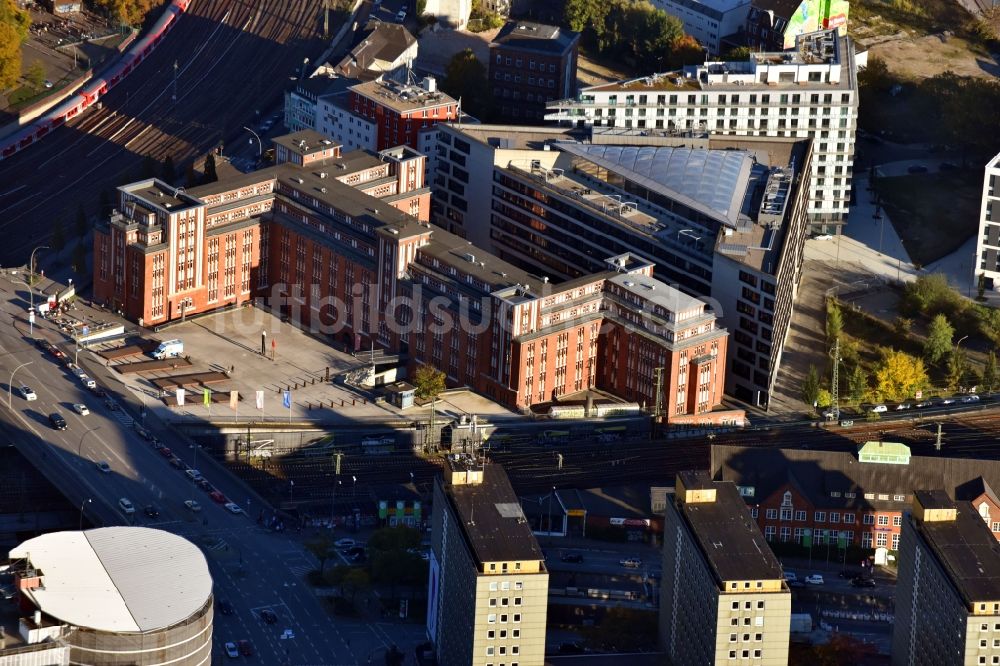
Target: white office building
x,y
988,245
810,91
708,21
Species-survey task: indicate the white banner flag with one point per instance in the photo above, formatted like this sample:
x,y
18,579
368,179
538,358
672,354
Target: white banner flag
x,y
260,400
180,397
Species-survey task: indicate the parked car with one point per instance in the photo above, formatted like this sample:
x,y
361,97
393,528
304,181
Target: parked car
x,y
269,616
151,511
176,462
57,421
572,558
217,497
192,505
104,467
234,508
126,506
903,405
26,393
814,579
81,409
344,543
166,452
861,581
232,651
823,237
246,648
879,409
970,398
923,403
193,474
630,562
791,575
949,401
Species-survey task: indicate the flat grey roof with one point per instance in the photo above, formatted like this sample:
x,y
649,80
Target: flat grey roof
x,y
966,549
729,538
493,531
659,293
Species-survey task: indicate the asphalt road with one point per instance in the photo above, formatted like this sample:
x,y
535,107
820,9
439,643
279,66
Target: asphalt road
x,y
232,59
253,568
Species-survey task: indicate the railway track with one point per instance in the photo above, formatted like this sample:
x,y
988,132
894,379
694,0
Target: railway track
x,y
233,58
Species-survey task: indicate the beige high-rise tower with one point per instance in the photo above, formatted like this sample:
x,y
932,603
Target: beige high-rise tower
x,y
488,588
724,599
948,590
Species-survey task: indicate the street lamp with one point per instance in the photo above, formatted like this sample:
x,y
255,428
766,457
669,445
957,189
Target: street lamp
x,y
79,448
10,386
82,504
31,267
260,146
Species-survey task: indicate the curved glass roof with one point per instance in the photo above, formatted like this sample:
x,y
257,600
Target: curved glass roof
x,y
716,179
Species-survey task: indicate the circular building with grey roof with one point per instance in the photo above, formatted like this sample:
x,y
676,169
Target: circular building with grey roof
x,y
118,595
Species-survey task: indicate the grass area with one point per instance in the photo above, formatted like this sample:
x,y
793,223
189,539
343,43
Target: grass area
x,y
932,213
23,96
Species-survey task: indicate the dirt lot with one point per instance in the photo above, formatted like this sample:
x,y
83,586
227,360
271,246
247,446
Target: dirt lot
x,y
924,57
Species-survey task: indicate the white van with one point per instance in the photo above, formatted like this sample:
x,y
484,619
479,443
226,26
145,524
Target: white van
x,y
168,349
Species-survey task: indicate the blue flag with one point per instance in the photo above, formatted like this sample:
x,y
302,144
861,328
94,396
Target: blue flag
x,y
286,399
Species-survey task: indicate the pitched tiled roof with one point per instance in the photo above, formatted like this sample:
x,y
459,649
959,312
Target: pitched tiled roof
x,y
817,474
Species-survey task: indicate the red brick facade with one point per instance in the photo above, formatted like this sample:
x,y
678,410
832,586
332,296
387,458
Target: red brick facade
x,y
398,120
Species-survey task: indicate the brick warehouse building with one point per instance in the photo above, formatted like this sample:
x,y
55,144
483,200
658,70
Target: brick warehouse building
x,y
343,239
861,496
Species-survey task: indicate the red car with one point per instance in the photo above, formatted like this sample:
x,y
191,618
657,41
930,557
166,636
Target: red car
x,y
218,497
165,452
55,351
246,648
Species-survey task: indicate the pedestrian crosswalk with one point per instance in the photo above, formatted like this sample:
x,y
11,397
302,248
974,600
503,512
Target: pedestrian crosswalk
x,y
301,570
123,418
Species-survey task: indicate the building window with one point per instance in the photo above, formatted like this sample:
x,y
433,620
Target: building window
x,y
883,520
772,514
897,521
820,517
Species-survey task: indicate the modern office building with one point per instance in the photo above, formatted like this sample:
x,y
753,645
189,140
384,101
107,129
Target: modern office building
x,y
774,25
723,599
856,498
988,243
531,64
488,586
709,21
339,243
810,91
723,218
110,596
948,586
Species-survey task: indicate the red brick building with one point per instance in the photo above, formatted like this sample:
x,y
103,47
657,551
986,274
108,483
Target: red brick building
x,y
858,496
399,111
531,64
341,244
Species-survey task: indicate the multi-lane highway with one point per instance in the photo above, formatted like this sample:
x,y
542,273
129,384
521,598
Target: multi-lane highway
x,y
254,569
231,58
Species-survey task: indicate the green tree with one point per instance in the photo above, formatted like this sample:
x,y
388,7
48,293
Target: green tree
x,y
210,175
939,339
902,326
930,294
14,24
958,367
82,225
322,548
811,387
990,373
169,172
35,74
399,538
80,259
876,76
150,166
429,382
738,54
898,375
466,80
421,7
824,398
857,384
355,582
581,14
58,238
834,322
190,176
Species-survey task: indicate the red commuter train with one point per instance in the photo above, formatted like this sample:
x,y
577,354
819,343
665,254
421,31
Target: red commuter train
x,y
92,91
